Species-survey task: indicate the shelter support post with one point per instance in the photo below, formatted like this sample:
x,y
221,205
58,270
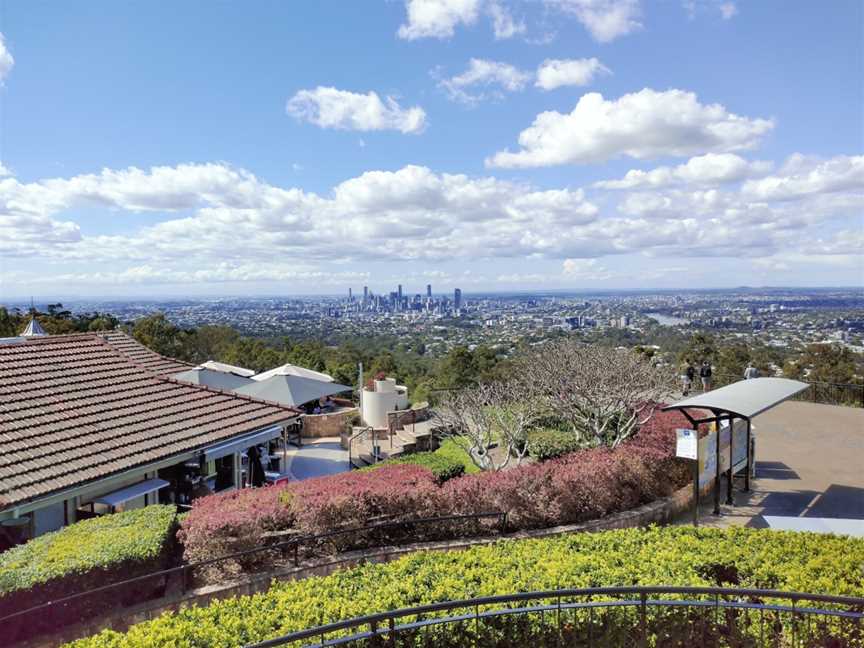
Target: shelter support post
x,y
730,481
717,465
749,460
696,479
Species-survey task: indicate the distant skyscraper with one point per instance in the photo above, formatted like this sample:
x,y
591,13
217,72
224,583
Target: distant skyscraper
x,y
429,291
399,292
457,299
350,296
365,293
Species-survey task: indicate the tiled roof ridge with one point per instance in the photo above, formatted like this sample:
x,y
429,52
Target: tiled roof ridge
x,y
175,381
103,336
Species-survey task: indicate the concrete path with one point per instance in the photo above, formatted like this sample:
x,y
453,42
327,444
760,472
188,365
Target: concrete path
x,y
316,458
809,464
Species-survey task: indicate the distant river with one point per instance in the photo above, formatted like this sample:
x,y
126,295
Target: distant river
x,y
666,320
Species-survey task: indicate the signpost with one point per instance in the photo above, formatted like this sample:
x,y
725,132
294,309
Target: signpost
x,y
687,447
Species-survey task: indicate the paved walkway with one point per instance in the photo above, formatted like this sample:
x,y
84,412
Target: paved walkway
x,y
809,463
316,458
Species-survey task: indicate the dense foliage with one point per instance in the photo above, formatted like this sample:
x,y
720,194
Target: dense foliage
x,y
573,488
442,466
551,443
672,555
83,556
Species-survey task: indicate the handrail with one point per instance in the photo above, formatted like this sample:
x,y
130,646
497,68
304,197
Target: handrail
x,y
351,440
373,620
292,543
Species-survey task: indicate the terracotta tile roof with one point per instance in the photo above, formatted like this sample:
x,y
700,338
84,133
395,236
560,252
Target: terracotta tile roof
x,y
74,409
143,356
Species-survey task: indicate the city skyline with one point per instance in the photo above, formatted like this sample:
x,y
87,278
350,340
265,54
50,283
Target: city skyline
x,y
556,145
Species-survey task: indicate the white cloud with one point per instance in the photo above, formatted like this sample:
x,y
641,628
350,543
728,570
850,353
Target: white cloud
x,y
704,170
728,10
802,176
4,171
220,221
492,77
503,24
644,124
343,110
605,20
6,60
437,18
554,73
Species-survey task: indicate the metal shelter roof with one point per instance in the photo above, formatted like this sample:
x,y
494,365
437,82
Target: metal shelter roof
x,y
294,370
291,390
745,398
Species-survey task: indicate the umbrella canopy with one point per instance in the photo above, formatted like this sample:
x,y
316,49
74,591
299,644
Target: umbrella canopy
x,y
291,390
294,370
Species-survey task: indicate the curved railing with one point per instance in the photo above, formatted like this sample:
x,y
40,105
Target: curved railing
x,y
640,616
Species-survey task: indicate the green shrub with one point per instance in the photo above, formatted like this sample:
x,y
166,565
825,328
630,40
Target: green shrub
x,y
677,556
549,443
442,467
83,556
451,449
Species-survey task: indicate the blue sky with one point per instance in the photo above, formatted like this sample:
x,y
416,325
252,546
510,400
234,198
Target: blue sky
x,y
269,147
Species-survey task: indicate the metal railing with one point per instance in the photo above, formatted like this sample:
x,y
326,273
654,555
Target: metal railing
x,y
360,437
292,546
641,616
848,394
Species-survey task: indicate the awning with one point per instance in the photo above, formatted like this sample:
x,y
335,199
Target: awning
x,y
745,398
117,497
241,443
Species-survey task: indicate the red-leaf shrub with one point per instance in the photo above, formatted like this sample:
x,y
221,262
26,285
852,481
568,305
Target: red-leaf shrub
x,y
226,523
574,488
356,499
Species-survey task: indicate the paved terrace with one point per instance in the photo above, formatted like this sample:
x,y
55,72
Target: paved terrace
x,y
809,463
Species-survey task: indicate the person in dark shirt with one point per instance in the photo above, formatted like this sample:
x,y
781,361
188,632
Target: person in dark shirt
x,y
705,375
687,378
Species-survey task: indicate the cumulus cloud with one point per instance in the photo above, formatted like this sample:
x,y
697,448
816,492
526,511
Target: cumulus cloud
x,y
6,60
503,24
554,73
644,124
803,176
703,170
332,108
437,18
605,20
218,218
490,78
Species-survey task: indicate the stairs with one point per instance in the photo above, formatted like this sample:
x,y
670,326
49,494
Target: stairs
x,y
416,437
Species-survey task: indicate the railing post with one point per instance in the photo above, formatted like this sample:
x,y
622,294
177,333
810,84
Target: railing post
x,y
643,622
297,554
391,624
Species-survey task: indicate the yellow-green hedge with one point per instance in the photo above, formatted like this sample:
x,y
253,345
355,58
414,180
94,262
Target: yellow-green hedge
x,y
659,556
80,557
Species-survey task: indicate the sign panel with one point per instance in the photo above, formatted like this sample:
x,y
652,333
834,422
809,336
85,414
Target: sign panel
x,y
687,444
708,451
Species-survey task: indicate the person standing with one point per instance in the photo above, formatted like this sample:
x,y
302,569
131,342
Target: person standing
x,y
705,375
687,378
750,372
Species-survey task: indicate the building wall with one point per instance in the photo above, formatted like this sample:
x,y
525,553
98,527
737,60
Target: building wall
x,y
326,425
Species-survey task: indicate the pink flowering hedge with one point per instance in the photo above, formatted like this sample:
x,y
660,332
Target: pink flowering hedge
x,y
580,486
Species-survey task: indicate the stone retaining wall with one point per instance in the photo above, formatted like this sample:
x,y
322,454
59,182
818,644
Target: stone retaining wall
x,y
661,511
332,424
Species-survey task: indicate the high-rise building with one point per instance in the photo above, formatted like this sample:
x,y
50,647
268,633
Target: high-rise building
x,y
365,294
457,299
350,296
428,291
399,292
